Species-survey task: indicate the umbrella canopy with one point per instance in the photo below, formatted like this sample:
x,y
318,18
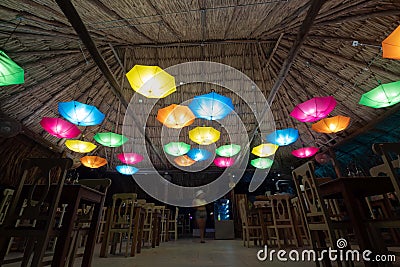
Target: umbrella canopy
x,y
10,72
224,162
80,114
264,150
322,158
80,146
151,81
184,161
385,95
176,148
391,45
110,139
130,158
331,125
126,169
305,152
283,137
314,109
59,127
198,154
204,135
93,161
262,163
175,116
211,106
228,150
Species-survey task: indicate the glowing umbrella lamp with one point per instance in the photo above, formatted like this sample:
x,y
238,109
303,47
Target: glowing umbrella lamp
x,y
176,148
59,127
80,146
305,152
391,45
93,161
262,163
126,169
211,106
80,114
204,135
331,125
175,116
184,161
224,162
385,95
110,139
198,154
151,81
130,158
283,137
314,109
228,150
10,72
264,150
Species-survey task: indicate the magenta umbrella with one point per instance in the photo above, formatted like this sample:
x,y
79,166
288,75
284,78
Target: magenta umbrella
x,y
59,127
314,109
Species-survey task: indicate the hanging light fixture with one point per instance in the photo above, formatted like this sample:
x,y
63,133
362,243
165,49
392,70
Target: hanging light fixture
x,y
224,162
391,45
314,109
211,106
264,150
151,81
385,95
80,146
331,125
283,137
262,163
130,158
10,72
59,127
93,161
184,161
80,114
176,148
228,150
305,152
198,154
110,139
204,135
175,116
126,169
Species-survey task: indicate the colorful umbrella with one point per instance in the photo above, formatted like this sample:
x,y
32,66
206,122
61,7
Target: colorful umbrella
x,y
80,146
228,150
59,127
305,152
110,139
322,158
204,135
10,72
176,148
385,95
175,116
331,125
264,150
126,169
211,106
198,154
283,137
262,163
391,45
184,161
314,109
224,162
80,114
93,161
130,158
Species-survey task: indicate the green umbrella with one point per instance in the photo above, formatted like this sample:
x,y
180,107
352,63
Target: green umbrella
x,y
228,150
385,95
176,148
10,72
262,163
110,139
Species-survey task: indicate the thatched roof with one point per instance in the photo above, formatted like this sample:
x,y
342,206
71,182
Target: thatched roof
x,y
252,36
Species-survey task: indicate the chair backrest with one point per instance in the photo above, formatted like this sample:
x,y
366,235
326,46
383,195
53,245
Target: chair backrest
x,y
101,185
243,212
123,209
281,209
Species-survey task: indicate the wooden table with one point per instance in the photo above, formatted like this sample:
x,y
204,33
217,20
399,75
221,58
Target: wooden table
x,y
353,191
74,195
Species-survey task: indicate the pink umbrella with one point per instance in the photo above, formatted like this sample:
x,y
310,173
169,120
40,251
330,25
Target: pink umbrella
x,y
130,158
305,152
223,162
314,109
59,127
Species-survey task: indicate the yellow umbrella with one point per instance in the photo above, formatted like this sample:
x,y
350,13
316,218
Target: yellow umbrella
x,y
175,116
265,150
391,45
151,81
80,146
204,135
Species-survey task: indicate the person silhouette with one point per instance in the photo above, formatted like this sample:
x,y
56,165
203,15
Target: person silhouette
x,y
201,212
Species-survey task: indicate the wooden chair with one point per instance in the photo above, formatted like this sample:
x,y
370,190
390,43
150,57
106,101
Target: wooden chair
x,y
42,199
102,225
300,225
315,209
173,224
148,223
5,203
250,231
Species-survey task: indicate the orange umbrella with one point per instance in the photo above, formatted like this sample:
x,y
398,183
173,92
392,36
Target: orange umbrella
x,y
331,125
175,116
184,161
391,45
93,161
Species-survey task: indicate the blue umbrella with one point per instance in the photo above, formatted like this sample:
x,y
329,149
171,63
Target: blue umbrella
x,y
126,169
283,137
80,114
211,106
198,154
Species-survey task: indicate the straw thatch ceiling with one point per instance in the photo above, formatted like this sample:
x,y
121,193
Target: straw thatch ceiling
x,y
252,36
